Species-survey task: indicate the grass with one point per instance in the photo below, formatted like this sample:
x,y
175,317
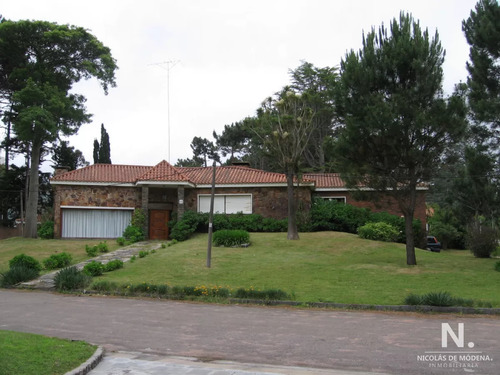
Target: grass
x,y
42,249
29,354
322,266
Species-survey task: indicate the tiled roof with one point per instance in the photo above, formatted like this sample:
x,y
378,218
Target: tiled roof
x,y
232,175
103,173
326,180
163,172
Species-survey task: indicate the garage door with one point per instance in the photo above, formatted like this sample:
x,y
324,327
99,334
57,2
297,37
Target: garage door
x,y
94,223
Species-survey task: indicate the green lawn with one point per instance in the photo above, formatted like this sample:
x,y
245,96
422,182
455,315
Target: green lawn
x,y
322,266
42,249
28,354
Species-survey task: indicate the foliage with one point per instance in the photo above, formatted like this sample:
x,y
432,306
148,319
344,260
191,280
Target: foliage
x,y
102,151
112,265
93,268
378,231
18,274
23,260
70,278
267,294
103,247
497,266
46,230
41,62
143,253
441,299
184,228
59,260
64,155
121,241
482,240
91,250
133,234
397,123
230,237
203,150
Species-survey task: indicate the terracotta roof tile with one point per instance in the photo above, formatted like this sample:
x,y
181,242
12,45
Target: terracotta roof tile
x,y
163,172
326,180
104,173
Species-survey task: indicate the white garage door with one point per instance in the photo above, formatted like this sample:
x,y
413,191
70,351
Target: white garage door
x,y
92,223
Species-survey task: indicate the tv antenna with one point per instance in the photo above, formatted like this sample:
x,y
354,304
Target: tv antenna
x,y
167,65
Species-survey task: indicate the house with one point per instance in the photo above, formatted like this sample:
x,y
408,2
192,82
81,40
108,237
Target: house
x,y
98,201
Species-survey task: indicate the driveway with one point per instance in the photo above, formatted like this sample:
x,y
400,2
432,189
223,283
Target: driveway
x,y
393,343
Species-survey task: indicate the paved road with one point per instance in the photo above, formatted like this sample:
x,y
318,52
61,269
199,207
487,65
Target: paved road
x,y
356,341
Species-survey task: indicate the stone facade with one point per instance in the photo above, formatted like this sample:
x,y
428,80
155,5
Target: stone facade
x,y
266,201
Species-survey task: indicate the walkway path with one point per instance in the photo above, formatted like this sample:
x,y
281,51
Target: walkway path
x,y
46,282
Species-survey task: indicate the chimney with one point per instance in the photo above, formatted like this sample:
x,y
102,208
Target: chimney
x,y
241,164
58,170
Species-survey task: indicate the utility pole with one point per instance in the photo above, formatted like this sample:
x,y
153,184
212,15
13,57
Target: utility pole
x,y
211,218
167,65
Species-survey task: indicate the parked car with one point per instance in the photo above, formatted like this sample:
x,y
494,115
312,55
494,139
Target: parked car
x,y
433,244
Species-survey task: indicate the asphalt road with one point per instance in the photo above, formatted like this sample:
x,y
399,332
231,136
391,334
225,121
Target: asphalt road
x,y
393,343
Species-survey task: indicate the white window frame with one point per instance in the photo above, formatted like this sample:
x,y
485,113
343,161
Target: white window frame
x,y
224,196
337,198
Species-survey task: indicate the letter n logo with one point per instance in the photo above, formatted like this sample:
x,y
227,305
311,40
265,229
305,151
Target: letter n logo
x,y
457,339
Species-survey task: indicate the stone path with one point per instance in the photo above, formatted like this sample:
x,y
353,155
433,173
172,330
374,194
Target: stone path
x,y
46,282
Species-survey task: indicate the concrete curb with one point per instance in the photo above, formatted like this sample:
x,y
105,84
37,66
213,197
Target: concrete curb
x,y
89,364
403,308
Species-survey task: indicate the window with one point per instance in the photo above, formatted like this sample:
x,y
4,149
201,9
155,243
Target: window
x,y
336,199
226,203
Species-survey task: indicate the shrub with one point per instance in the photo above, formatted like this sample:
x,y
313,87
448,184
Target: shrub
x,y
134,234
274,225
113,265
71,279
18,274
497,266
104,286
143,253
336,216
413,299
121,241
102,247
230,238
378,231
269,294
46,230
91,250
440,299
482,240
181,231
93,268
57,261
23,260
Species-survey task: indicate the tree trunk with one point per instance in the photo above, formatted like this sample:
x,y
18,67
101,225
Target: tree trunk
x,y
7,145
32,201
409,213
293,233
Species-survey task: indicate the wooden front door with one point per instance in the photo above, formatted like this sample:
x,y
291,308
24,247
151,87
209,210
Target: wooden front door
x,y
158,224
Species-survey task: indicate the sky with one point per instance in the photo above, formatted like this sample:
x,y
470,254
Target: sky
x,y
225,58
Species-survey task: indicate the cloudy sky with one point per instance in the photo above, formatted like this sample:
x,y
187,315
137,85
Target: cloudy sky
x,y
230,54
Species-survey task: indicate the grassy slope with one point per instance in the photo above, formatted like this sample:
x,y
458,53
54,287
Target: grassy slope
x,y
42,249
28,354
324,266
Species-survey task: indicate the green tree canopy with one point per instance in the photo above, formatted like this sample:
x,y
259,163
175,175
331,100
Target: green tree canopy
x,y
65,155
39,64
102,151
396,122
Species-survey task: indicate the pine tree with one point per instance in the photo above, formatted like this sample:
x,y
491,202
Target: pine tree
x,y
104,148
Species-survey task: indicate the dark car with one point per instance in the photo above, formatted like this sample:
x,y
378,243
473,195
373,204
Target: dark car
x,y
433,244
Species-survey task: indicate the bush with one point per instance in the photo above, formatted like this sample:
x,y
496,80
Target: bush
x,y
336,216
121,241
23,260
104,286
497,266
439,299
482,240
57,261
46,230
181,231
230,238
269,294
18,274
71,279
274,225
102,247
113,265
93,268
91,250
143,253
379,232
134,234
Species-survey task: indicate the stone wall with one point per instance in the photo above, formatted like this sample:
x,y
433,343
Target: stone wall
x,y
266,201
92,196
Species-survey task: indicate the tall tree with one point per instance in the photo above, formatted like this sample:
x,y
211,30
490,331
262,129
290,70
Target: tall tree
x,y
203,149
66,155
95,152
285,126
482,31
41,61
396,122
102,151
